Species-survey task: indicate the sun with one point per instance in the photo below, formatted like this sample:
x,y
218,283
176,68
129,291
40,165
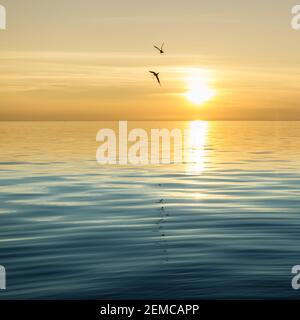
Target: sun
x,y
199,90
199,93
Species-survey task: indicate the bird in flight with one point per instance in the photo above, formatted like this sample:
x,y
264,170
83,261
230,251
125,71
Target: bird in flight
x,y
161,51
155,74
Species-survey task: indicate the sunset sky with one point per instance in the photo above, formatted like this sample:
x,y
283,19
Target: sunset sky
x,y
89,60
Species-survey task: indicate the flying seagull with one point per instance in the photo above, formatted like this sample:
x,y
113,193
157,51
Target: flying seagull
x,y
155,74
160,49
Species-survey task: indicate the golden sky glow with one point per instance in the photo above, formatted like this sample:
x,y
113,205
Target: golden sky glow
x,y
89,60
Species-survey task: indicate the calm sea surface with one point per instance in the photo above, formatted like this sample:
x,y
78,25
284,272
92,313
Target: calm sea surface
x,y
71,228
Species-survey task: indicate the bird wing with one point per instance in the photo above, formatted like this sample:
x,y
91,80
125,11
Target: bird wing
x,y
162,46
158,80
156,48
152,72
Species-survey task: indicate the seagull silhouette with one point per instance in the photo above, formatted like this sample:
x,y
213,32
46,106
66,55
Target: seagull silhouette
x,y
155,74
161,51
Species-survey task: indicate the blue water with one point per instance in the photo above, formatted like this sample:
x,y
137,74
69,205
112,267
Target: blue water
x,y
71,228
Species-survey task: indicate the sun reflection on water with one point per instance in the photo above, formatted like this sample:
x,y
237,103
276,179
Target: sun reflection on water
x,y
197,140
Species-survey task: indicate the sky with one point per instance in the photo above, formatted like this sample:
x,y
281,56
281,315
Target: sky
x,y
89,60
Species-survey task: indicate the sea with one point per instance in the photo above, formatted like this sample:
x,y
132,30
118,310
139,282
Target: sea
x,y
223,226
